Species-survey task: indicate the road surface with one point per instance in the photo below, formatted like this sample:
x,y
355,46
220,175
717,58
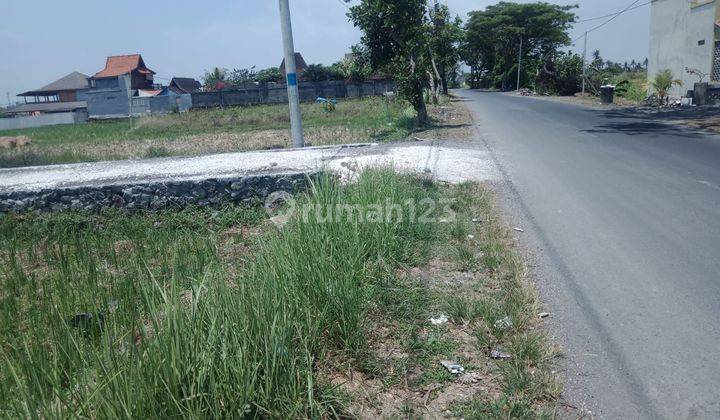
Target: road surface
x,y
622,215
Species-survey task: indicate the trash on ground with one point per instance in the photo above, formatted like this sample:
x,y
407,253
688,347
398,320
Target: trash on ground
x,y
453,368
471,236
504,324
526,92
477,221
499,354
543,315
518,229
470,378
442,319
322,100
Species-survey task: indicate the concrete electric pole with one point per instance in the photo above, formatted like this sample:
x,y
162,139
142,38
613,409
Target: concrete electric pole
x,y
291,76
519,64
584,64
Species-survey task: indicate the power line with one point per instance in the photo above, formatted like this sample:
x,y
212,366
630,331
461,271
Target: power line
x,y
613,14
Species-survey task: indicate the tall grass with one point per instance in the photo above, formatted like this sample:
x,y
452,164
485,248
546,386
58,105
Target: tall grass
x,y
192,327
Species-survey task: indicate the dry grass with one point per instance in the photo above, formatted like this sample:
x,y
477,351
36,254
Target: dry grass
x,y
233,130
401,377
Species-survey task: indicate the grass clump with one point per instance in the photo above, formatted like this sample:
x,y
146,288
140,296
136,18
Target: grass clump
x,y
203,313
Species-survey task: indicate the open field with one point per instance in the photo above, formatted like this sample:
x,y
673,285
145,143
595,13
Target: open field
x,y
222,130
217,313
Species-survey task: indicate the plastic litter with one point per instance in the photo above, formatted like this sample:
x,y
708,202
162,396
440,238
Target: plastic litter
x,y
442,319
504,323
452,367
499,354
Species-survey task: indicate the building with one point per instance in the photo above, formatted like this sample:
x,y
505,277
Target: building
x,y
125,87
66,94
300,65
181,85
684,37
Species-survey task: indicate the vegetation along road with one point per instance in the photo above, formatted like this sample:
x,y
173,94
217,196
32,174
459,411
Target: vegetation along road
x,y
625,214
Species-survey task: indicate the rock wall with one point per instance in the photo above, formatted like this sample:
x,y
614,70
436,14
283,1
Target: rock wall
x,y
155,196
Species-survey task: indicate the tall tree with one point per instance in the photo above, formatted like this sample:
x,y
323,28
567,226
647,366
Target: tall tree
x,y
493,39
446,36
396,37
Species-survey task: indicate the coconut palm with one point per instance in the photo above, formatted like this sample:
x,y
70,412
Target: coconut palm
x,y
664,81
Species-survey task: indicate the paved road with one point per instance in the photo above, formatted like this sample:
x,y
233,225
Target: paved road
x,y
623,214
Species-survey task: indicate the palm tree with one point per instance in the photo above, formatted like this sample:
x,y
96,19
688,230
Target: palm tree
x,y
664,81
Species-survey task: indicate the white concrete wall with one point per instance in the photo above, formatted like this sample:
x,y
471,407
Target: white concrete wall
x,y
677,27
42,120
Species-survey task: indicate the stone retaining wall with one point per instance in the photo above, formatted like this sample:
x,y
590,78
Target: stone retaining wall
x,y
155,196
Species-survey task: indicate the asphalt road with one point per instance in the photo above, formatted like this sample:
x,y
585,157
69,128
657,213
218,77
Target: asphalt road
x,y
622,216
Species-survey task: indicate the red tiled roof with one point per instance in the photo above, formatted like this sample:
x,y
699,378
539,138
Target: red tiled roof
x,y
122,64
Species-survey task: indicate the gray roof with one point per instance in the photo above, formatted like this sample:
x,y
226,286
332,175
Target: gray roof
x,y
47,107
73,81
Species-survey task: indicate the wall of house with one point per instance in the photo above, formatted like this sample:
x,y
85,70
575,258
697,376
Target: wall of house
x,y
106,83
141,81
110,103
41,120
682,35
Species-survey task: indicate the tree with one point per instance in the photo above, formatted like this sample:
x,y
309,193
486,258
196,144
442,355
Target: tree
x,y
396,37
445,39
242,77
214,80
356,67
320,73
270,75
663,82
561,74
493,37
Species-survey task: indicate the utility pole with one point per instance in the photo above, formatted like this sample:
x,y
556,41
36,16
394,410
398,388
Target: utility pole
x,y
584,74
519,64
291,76
7,94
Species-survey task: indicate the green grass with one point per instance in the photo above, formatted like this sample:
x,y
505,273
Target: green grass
x,y
217,313
369,119
193,327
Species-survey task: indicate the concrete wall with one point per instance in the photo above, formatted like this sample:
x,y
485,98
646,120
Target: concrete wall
x,y
43,120
160,104
309,91
110,102
682,34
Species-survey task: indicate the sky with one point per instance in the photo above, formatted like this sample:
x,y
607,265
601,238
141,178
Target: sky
x,y
43,40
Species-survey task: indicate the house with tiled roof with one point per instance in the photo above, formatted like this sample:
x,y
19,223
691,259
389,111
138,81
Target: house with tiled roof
x,y
125,88
182,85
66,94
300,65
118,66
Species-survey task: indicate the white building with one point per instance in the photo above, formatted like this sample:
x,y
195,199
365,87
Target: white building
x,y
684,34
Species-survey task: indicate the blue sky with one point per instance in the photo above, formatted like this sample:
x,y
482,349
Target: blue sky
x,y
42,40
